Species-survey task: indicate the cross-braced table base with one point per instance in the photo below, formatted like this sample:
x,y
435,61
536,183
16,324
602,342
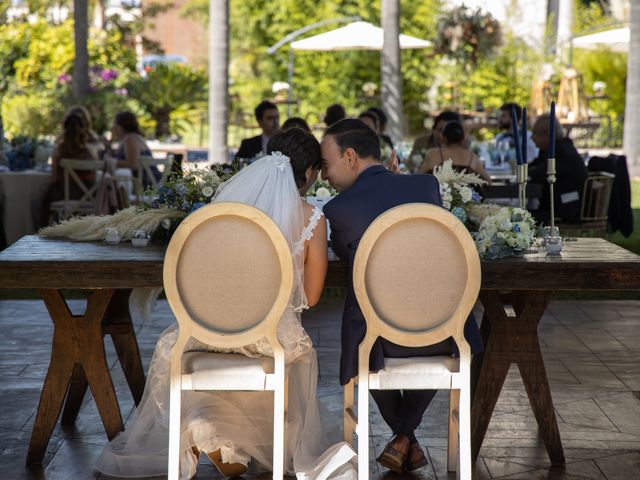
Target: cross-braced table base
x,y
78,361
513,339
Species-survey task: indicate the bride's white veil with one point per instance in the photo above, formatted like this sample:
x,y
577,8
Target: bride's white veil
x,y
269,185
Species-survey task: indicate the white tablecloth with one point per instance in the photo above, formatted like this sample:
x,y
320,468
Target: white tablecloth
x,y
20,201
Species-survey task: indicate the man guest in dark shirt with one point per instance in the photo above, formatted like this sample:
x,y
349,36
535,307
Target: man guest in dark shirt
x,y
571,174
269,121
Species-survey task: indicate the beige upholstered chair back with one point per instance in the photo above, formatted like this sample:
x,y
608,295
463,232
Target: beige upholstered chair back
x,y
228,272
416,275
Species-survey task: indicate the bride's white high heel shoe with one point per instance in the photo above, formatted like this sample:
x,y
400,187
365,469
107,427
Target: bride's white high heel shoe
x,y
226,469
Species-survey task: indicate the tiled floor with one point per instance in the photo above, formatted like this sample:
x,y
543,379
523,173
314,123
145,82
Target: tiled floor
x,y
591,351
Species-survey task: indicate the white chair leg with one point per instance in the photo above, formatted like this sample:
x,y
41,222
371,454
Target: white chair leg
x,y
174,425
362,429
465,431
348,425
278,430
454,421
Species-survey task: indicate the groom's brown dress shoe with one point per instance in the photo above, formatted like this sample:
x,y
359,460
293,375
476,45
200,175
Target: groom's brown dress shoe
x,y
416,458
394,456
226,469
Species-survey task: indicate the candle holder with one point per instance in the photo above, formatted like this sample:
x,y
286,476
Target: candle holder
x,y
551,180
521,178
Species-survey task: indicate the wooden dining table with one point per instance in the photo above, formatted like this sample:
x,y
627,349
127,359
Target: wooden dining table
x,y
515,293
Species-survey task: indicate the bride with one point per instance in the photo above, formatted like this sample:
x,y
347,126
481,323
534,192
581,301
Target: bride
x,y
234,429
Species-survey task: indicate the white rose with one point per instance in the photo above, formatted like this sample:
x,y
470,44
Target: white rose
x,y
323,192
166,224
466,194
505,225
207,191
512,241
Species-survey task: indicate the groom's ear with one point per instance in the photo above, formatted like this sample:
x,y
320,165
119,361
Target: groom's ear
x,y
351,156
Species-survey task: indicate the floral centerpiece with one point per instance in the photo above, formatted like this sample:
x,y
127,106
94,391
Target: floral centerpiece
x,y
507,232
160,213
498,231
321,189
456,190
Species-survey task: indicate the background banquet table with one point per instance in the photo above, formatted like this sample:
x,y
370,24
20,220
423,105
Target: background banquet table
x,y
20,203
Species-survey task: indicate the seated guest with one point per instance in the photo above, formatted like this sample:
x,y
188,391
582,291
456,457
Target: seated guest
x,y
453,148
268,119
432,139
382,125
131,146
571,174
334,114
295,122
370,119
74,144
94,139
506,129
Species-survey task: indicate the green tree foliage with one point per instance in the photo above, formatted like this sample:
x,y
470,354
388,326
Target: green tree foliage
x,y
169,93
321,78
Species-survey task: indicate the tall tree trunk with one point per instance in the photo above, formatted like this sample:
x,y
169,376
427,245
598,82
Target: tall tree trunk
x,y
81,60
553,12
632,100
390,69
218,80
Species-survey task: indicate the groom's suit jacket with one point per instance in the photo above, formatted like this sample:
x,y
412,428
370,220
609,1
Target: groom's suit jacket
x,y
375,191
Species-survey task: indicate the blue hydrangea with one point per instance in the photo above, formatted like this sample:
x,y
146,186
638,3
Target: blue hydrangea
x,y
181,189
475,197
196,206
516,227
460,214
155,204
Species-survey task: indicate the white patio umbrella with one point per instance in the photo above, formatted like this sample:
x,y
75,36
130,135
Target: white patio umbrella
x,y
355,36
616,40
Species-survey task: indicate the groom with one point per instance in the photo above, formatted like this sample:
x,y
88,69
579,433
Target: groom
x,y
351,164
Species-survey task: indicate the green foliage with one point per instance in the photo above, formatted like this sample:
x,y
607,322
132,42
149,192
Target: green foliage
x,y
31,114
508,76
168,94
608,67
320,78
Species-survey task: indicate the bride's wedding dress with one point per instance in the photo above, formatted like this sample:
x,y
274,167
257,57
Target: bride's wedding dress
x,y
238,423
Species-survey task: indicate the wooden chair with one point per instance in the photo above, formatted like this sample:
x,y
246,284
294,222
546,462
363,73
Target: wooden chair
x,y
229,297
594,210
416,276
86,204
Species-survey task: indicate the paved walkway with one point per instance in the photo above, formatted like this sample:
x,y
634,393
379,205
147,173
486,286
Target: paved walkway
x,y
591,351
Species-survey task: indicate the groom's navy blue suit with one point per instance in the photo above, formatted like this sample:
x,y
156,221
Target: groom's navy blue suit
x,y
375,191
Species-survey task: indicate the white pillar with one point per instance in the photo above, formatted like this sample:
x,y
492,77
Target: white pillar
x,y
218,79
631,138
565,24
390,69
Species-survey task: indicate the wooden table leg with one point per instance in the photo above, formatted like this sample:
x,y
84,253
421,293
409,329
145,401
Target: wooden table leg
x,y
514,339
123,335
77,344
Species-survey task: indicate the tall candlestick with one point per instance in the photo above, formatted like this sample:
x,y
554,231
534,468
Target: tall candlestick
x,y
516,137
524,136
552,132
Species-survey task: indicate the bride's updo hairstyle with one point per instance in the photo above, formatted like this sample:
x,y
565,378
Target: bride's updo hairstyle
x,y
301,147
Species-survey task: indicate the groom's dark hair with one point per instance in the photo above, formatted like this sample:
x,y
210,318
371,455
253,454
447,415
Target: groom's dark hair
x,y
302,148
354,133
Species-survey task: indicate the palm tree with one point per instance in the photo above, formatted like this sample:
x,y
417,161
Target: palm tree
x,y
632,101
390,68
81,62
218,80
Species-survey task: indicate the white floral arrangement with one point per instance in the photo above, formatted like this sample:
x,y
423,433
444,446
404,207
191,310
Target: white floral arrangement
x,y
321,189
508,231
456,189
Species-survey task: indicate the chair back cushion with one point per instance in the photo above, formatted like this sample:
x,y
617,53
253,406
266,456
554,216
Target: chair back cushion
x,y
227,271
416,275
421,271
228,275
